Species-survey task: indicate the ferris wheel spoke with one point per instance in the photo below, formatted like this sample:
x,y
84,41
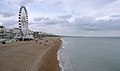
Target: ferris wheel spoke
x,y
23,20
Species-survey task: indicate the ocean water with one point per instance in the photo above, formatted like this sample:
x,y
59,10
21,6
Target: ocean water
x,y
90,54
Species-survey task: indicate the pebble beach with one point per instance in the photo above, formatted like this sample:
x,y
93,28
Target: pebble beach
x,y
30,55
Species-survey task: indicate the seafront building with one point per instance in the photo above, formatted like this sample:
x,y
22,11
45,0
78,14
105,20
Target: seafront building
x,y
14,30
4,33
2,30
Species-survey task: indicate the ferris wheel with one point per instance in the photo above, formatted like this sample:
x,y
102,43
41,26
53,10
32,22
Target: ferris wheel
x,y
23,21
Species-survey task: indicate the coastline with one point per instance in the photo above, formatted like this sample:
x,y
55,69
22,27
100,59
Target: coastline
x,y
49,60
29,56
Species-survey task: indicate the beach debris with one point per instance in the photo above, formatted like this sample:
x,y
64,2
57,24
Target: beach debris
x,y
46,40
55,42
44,44
4,42
40,43
36,40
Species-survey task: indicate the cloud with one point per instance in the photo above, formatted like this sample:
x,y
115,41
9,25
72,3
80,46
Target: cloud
x,y
96,25
58,3
100,3
43,21
84,24
38,18
47,18
6,13
0,23
94,4
10,23
50,22
115,16
7,8
107,11
24,2
65,16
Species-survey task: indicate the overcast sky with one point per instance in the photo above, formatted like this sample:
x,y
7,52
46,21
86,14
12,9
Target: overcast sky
x,y
65,17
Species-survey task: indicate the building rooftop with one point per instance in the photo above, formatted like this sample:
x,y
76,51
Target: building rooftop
x,y
1,26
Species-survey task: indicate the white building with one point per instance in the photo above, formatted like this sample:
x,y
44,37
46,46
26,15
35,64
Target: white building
x,y
2,29
14,30
4,33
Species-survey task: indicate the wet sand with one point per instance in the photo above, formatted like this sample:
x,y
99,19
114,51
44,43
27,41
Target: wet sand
x,y
30,56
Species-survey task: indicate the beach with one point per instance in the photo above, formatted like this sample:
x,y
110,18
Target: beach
x,y
30,55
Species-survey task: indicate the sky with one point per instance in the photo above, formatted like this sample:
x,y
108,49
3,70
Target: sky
x,y
65,17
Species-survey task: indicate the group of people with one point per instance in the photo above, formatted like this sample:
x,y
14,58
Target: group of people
x,y
36,41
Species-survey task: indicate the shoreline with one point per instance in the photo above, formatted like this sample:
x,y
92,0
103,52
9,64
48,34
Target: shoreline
x,y
49,60
31,56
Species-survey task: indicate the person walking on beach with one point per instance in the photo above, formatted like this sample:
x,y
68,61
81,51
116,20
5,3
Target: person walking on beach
x,y
36,40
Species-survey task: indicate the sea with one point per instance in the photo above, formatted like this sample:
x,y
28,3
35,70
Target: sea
x,y
90,54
